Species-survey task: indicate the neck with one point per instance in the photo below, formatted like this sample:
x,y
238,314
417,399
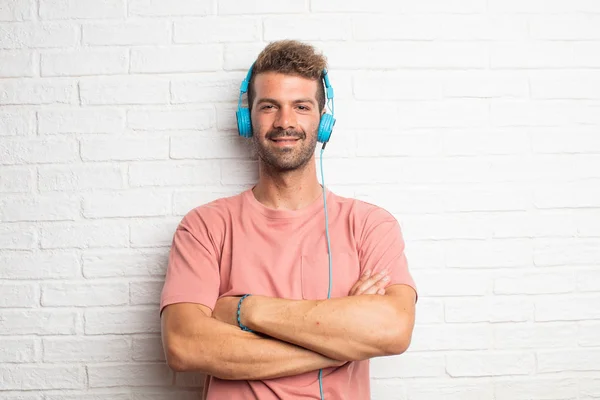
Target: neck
x,y
290,190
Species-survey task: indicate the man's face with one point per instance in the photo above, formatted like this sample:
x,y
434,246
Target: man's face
x,y
285,120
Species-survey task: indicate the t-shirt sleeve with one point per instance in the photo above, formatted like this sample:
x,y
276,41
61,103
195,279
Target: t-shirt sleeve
x,y
382,246
193,268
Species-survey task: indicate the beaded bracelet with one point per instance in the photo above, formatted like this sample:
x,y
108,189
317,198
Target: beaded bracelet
x,y
239,307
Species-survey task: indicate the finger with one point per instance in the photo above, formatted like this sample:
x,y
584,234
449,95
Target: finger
x,y
360,280
373,280
381,291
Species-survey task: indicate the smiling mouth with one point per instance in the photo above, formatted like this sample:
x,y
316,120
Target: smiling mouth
x,y
285,140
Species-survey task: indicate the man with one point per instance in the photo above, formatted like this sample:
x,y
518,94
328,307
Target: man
x,y
270,242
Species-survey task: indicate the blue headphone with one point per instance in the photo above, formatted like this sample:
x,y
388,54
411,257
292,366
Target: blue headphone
x,y
243,113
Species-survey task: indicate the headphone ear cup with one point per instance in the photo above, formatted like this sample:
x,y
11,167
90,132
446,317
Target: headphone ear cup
x,y
243,122
325,128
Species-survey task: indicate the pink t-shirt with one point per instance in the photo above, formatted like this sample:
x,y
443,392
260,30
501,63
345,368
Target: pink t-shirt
x,y
236,245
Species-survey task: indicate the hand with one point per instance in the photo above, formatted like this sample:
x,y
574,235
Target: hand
x,y
226,309
370,284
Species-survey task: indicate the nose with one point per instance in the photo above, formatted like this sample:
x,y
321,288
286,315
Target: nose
x,y
285,118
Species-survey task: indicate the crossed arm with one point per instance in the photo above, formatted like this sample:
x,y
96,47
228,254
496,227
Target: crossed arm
x,y
301,335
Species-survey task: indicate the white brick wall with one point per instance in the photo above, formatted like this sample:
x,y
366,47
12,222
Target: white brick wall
x,y
476,122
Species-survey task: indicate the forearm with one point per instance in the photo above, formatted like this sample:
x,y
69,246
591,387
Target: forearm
x,y
347,328
226,352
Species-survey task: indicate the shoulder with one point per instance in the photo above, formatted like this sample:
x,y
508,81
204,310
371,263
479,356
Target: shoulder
x,y
362,211
212,215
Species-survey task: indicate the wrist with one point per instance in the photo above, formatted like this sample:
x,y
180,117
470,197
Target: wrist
x,y
246,312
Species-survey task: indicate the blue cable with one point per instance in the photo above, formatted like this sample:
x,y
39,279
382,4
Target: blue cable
x,y
328,252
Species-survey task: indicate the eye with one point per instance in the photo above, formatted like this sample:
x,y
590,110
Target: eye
x,y
304,108
266,107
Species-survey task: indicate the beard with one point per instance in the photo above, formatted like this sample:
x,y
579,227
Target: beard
x,y
285,158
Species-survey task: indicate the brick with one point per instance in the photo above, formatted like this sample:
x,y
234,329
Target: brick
x,y
355,6
39,208
568,360
408,365
486,84
549,7
421,144
589,387
145,292
564,85
536,387
545,223
68,9
588,334
554,140
455,283
128,33
85,396
426,254
208,147
85,62
184,201
262,7
217,30
567,308
37,92
567,195
533,336
106,320
308,28
16,10
159,120
16,180
17,236
18,295
148,349
125,263
449,113
80,178
129,375
124,148
588,223
124,90
156,8
240,56
497,253
572,251
489,364
482,27
43,265
498,197
588,281
21,150
397,27
239,173
81,121
84,235
436,227
186,58
74,294
543,54
21,350
387,55
38,35
405,85
126,204
463,142
152,232
451,337
17,122
494,309
451,389
87,349
38,322
173,173
206,88
535,283
14,64
430,311
41,377
565,27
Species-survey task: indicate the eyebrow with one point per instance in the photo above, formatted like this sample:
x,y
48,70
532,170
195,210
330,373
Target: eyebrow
x,y
270,100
